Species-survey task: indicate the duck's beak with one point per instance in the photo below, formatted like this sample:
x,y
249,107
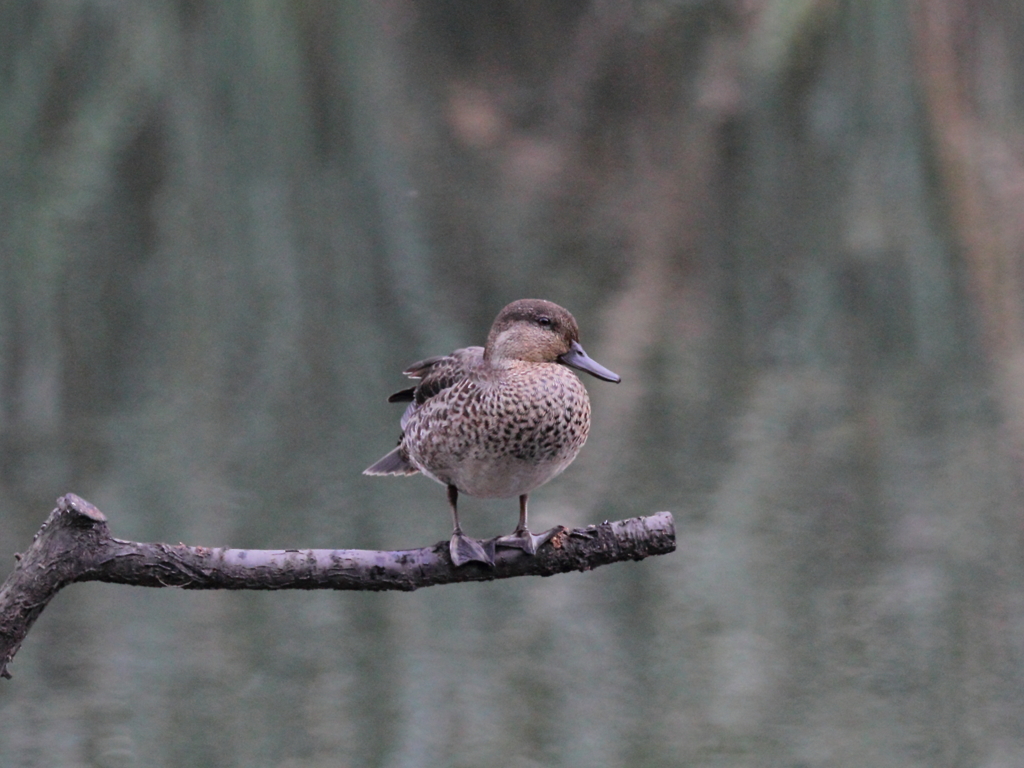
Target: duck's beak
x,y
577,358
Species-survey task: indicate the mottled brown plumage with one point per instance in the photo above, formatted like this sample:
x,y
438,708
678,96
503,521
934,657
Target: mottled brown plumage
x,y
498,421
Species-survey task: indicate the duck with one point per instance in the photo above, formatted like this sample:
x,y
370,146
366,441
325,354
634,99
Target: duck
x,y
498,421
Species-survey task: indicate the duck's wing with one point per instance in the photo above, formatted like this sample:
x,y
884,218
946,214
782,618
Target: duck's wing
x,y
435,375
419,370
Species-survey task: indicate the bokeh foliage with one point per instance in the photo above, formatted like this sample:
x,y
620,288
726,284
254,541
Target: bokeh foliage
x,y
793,226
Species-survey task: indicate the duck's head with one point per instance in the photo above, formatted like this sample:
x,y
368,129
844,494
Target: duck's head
x,y
539,331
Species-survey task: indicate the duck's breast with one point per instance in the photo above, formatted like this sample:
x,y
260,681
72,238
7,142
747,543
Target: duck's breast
x,y
504,434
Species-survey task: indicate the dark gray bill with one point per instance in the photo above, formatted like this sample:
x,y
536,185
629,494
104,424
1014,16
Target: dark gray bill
x,y
577,358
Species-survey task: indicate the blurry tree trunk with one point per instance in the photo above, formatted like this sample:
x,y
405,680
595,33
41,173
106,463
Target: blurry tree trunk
x,y
964,54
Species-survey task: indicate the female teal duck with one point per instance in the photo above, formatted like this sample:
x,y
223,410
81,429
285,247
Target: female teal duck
x,y
498,421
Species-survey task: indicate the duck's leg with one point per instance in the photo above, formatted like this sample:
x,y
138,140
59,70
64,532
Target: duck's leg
x,y
462,548
521,538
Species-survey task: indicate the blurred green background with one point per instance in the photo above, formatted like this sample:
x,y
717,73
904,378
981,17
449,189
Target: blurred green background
x,y
794,227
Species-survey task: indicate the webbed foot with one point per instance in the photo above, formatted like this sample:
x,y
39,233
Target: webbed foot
x,y
465,550
521,538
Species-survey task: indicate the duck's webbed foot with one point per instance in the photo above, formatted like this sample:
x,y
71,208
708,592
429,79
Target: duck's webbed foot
x,y
462,548
466,550
522,538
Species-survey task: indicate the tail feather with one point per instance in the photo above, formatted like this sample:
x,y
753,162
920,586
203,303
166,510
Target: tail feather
x,y
391,464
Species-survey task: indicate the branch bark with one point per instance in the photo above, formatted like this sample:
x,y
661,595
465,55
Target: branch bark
x,y
74,544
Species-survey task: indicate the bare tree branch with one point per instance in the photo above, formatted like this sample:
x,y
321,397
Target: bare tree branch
x,y
74,544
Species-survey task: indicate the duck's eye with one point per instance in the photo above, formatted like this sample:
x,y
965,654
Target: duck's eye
x,y
544,322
